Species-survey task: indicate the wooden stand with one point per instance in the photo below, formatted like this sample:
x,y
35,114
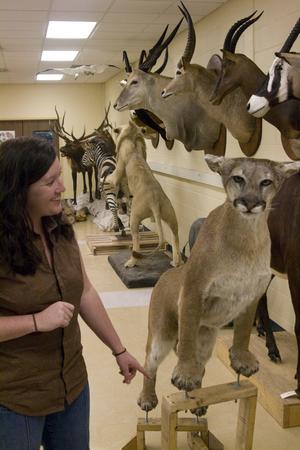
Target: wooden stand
x,y
109,243
272,379
198,435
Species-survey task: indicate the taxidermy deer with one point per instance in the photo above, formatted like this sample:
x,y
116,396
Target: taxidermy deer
x,y
283,80
149,200
222,280
239,71
200,81
142,90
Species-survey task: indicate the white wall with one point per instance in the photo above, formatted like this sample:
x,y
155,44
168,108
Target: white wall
x,y
192,199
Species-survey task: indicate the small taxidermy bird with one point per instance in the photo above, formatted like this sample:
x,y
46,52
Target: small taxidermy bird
x,y
76,70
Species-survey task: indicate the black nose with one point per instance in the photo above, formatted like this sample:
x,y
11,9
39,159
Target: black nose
x,y
248,106
249,203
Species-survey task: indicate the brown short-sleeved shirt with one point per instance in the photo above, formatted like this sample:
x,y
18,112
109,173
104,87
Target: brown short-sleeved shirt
x,y
41,371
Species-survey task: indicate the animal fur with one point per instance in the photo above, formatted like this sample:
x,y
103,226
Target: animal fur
x,y
149,200
225,276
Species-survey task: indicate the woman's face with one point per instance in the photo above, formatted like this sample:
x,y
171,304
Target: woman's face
x,y
44,196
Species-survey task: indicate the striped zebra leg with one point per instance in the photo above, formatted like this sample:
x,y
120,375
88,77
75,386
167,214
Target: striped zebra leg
x,y
111,200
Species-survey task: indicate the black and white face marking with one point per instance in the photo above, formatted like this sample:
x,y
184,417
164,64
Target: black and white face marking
x,y
274,90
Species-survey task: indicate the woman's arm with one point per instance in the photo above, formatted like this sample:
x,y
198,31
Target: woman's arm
x,y
95,316
54,316
12,327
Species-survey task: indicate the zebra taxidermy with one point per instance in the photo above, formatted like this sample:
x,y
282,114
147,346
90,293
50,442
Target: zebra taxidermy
x,y
105,163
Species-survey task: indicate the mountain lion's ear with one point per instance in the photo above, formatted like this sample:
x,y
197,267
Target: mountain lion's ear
x,y
286,169
215,163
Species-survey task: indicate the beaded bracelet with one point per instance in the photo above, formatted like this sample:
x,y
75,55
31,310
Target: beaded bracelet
x,y
120,353
34,322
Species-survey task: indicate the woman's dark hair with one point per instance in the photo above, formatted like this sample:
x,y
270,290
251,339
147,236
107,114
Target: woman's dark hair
x,y
23,161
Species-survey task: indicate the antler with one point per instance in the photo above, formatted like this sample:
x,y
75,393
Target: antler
x,y
58,127
191,41
291,38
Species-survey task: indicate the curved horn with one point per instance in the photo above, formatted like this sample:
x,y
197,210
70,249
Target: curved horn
x,y
233,29
161,68
157,50
160,40
240,31
142,56
191,40
128,67
291,38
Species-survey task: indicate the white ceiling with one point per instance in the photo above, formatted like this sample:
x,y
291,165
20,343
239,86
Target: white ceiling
x,y
130,25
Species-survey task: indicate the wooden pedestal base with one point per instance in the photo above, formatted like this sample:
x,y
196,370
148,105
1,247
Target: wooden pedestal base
x,y
198,435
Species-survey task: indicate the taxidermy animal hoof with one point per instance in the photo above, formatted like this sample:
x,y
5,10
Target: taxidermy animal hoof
x,y
187,377
274,355
243,362
147,402
130,263
201,411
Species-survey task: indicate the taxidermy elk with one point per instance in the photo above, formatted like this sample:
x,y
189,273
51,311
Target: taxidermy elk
x,y
200,81
184,119
237,70
284,218
74,150
283,79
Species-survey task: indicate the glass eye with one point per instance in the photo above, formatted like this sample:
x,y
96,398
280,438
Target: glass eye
x,y
266,182
133,82
178,72
237,179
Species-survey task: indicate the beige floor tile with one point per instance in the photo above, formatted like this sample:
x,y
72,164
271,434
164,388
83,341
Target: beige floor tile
x,y
114,411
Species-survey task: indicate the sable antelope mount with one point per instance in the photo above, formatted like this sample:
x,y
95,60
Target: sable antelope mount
x,y
283,79
196,79
237,70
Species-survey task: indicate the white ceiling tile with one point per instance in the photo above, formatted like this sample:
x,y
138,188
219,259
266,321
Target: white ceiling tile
x,y
20,44
129,18
14,25
80,5
21,15
76,15
29,5
112,35
120,27
130,6
21,34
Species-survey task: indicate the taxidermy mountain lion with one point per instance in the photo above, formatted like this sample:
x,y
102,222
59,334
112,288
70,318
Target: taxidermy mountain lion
x,y
149,199
223,279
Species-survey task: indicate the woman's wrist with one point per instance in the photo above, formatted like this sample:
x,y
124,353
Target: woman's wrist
x,y
116,354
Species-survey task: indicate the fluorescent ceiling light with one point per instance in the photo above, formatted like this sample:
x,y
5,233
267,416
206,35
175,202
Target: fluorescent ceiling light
x,y
49,77
59,55
69,30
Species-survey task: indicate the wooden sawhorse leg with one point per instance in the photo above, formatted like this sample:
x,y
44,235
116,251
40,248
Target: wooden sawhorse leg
x,y
246,392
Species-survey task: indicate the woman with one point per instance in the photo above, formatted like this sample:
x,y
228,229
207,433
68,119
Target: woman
x,y
44,395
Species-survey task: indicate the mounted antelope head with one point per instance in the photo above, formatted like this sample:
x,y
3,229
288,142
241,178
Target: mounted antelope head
x,y
283,79
238,70
142,90
200,81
